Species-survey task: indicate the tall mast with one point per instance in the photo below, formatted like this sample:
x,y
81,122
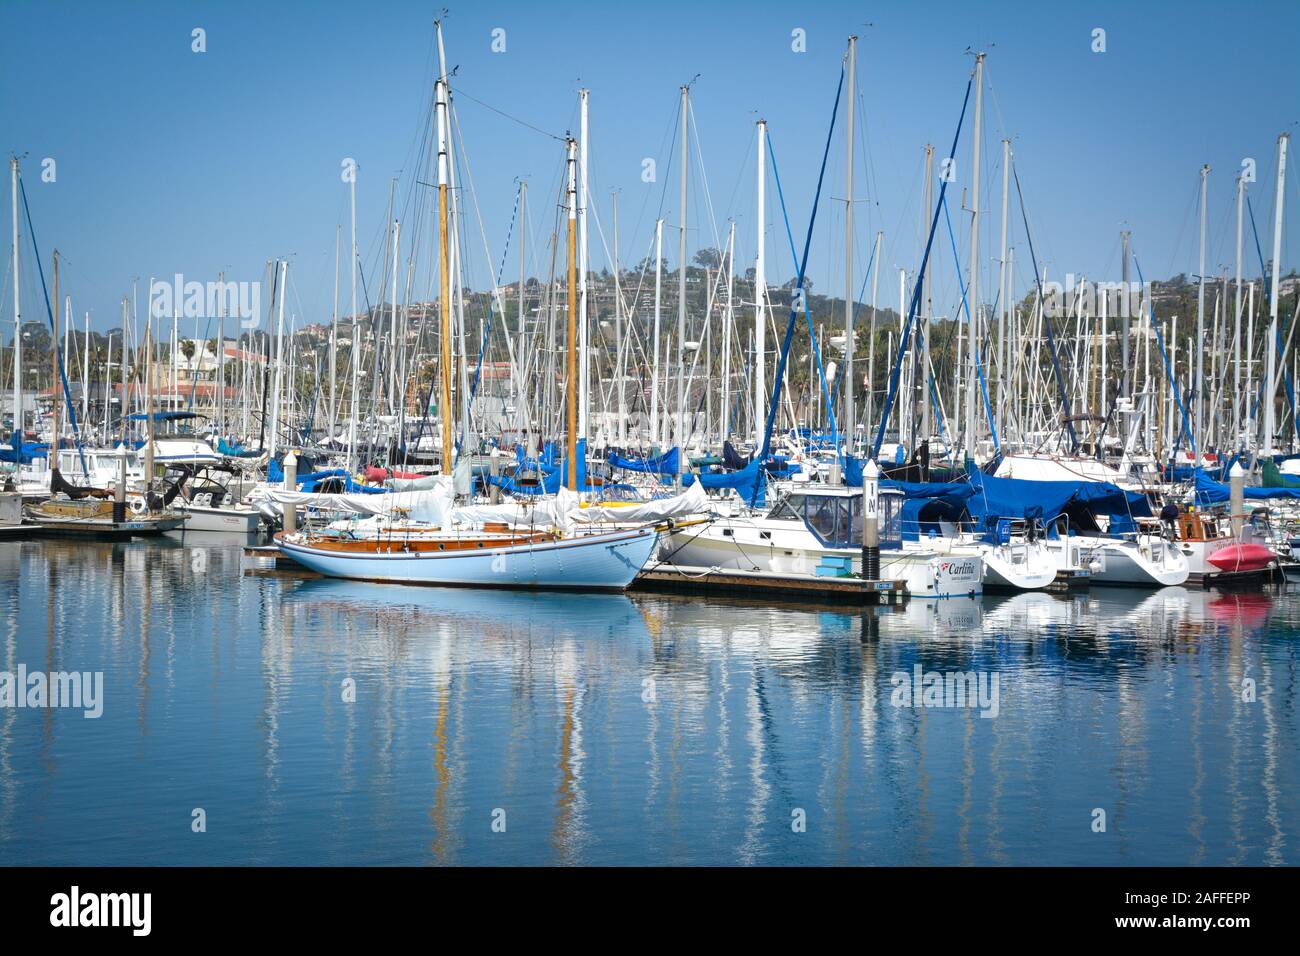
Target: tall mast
x,y
55,392
334,337
356,325
760,294
18,312
521,385
1270,343
729,320
618,334
655,341
1236,329
571,355
1002,352
584,392
1200,319
850,420
279,362
972,302
680,437
85,374
1126,318
925,301
444,281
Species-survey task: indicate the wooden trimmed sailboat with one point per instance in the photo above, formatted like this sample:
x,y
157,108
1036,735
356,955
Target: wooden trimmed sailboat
x,y
494,555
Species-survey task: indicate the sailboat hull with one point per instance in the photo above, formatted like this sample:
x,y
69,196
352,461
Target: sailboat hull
x,y
605,561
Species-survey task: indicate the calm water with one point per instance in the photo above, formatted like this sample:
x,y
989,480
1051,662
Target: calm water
x,y
641,729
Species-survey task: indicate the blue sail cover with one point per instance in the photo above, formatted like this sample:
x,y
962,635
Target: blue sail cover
x,y
996,498
23,453
748,482
665,464
1211,492
925,504
552,471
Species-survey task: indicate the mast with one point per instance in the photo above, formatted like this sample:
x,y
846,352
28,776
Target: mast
x,y
618,334
18,313
522,384
850,421
729,320
85,374
1270,343
926,317
680,437
1236,329
655,370
334,339
972,306
1200,319
1003,353
760,294
571,344
444,281
279,363
54,379
584,393
356,326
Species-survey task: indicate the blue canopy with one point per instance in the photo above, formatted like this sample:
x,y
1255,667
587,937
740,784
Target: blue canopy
x,y
666,464
996,498
1211,492
748,482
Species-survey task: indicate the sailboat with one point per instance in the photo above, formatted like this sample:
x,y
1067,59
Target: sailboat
x,y
89,511
493,554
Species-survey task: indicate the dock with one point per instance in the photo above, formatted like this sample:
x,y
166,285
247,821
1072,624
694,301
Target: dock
x,y
843,589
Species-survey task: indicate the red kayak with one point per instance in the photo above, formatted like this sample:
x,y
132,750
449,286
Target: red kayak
x,y
1242,557
383,474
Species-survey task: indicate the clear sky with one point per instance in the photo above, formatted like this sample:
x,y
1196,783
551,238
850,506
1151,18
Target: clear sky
x,y
174,161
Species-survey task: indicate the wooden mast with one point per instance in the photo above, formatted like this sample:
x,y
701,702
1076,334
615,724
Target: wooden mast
x,y
571,358
445,305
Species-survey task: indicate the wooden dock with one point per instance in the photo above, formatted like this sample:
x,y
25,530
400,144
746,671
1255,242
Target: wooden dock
x,y
844,589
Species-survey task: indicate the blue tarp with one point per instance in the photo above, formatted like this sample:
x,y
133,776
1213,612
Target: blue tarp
x,y
666,464
23,452
987,500
748,482
1211,492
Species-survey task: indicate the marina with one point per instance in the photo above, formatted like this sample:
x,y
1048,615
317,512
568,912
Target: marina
x,y
462,449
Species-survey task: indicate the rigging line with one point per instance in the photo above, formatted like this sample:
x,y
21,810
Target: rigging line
x,y
1046,319
905,335
460,91
779,376
63,374
974,336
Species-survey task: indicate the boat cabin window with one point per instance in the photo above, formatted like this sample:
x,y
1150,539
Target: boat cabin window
x,y
836,520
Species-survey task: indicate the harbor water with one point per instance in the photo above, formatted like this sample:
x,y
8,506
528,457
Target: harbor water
x,y
256,718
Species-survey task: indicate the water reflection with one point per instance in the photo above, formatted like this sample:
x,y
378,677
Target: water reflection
x,y
327,721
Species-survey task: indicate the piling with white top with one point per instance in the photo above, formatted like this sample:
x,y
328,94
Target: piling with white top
x,y
290,484
1237,499
870,521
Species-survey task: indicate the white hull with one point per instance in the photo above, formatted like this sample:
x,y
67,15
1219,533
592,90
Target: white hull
x,y
1017,566
601,561
235,520
927,574
1148,561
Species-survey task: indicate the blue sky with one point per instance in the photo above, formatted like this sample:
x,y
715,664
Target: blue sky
x,y
171,161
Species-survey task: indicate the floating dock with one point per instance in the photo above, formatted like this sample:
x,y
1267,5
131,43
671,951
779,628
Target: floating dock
x,y
846,589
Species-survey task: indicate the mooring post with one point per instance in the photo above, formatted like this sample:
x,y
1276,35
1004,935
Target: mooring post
x,y
1237,499
870,521
494,491
119,493
290,484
